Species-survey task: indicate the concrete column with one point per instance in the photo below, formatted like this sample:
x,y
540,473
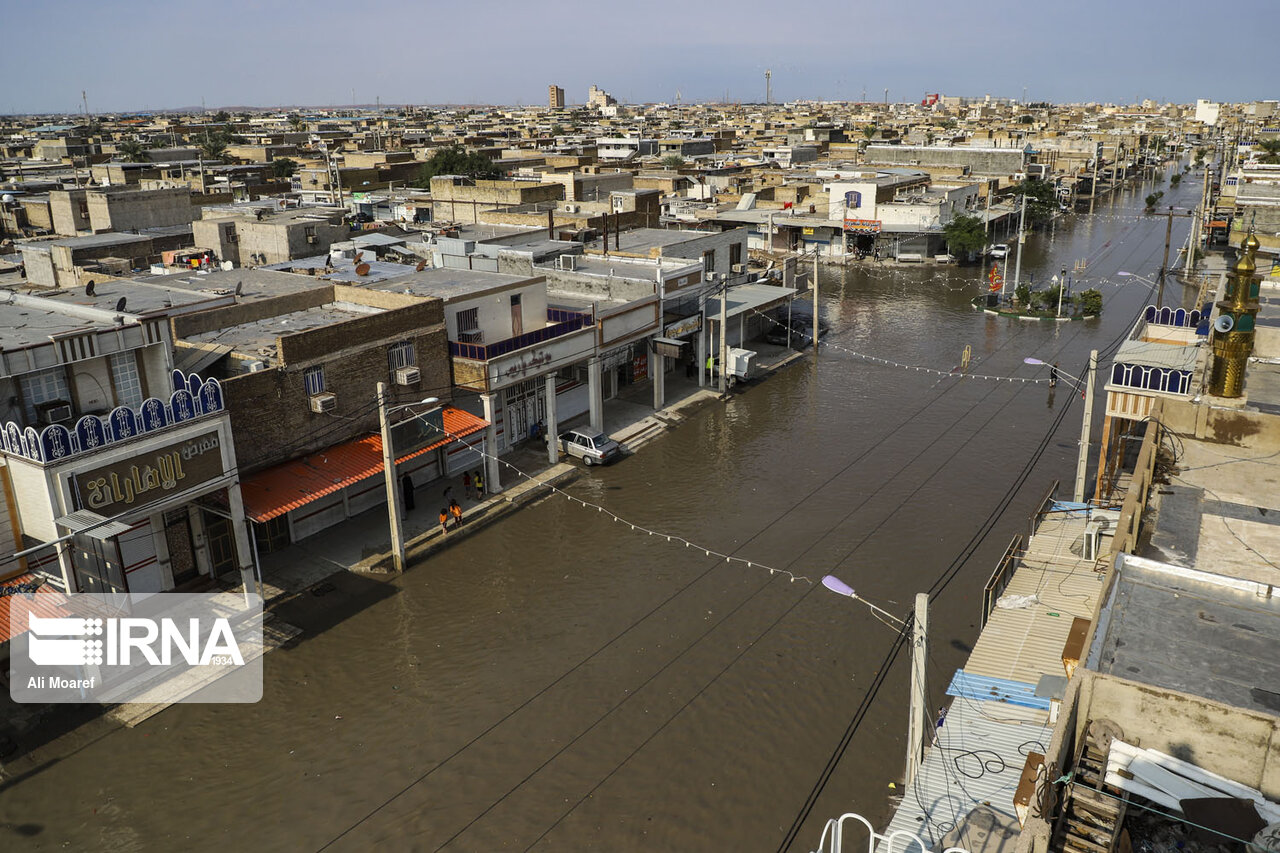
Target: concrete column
x,y
702,353
492,484
658,372
553,426
595,390
244,550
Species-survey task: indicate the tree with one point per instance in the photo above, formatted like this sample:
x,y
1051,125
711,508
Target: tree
x,y
1042,199
283,167
222,116
296,121
672,161
964,235
1153,199
1270,151
869,131
133,151
1025,119
1090,302
1175,180
456,160
214,145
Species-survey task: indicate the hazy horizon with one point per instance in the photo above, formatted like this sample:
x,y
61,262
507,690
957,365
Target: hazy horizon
x,y
130,58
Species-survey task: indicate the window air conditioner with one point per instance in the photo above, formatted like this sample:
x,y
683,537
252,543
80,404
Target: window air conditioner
x,y
567,262
408,375
323,403
739,269
56,413
311,238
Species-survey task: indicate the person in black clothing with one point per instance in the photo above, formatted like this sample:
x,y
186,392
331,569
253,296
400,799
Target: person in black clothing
x,y
406,489
1053,375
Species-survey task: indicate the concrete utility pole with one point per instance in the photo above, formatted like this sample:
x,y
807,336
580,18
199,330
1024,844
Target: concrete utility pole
x,y
816,250
1082,463
724,339
393,491
1093,187
918,709
1164,264
1022,236
1199,216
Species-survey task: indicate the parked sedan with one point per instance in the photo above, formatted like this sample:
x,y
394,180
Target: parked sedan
x,y
999,250
593,448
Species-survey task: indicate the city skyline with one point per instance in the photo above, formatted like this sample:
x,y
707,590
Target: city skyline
x,y
332,56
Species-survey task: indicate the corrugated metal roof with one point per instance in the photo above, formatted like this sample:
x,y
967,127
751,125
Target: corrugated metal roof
x,y
1023,644
1000,690
41,600
977,761
275,491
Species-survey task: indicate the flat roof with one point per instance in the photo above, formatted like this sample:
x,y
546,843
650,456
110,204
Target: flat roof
x,y
110,238
448,283
256,283
748,297
141,298
258,339
1193,633
1153,354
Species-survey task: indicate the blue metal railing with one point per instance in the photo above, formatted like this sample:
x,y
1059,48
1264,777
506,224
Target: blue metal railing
x,y
563,322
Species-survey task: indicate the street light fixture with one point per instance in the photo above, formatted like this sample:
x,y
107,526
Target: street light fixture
x,y
394,506
1082,462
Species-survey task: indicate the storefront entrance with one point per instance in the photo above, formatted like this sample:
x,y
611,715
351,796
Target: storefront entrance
x,y
182,552
220,537
526,405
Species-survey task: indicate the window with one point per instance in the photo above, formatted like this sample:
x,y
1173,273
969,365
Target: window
x,y
313,380
43,386
125,379
231,232
469,325
401,355
709,261
735,254
309,230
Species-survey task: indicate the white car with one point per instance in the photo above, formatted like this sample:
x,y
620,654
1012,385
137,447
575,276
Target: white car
x,y
593,448
999,250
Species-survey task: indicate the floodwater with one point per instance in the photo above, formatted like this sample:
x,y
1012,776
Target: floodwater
x,y
562,682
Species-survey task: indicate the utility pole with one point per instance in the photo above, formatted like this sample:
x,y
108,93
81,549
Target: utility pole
x,y
393,490
918,710
1082,463
1093,187
816,250
1022,236
724,339
1193,239
1164,264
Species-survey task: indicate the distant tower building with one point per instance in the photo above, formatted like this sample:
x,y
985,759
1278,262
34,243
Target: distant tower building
x,y
555,97
768,86
599,99
1233,331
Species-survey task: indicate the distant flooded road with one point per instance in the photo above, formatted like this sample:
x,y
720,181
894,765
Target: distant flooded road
x,y
559,682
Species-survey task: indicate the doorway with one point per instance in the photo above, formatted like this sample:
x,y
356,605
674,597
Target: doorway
x,y
182,552
222,543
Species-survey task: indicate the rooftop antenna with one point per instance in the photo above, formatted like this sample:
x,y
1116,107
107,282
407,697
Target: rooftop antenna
x,y
85,99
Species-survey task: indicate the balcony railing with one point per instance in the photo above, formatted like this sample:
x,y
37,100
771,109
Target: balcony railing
x,y
561,323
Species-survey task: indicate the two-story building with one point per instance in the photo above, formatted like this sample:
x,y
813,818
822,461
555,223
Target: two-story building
x,y
119,471
263,237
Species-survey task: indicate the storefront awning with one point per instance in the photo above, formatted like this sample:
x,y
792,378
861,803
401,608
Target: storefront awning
x,y
275,491
91,524
669,347
40,599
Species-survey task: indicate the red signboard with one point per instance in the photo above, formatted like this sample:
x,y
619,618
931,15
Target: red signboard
x,y
863,226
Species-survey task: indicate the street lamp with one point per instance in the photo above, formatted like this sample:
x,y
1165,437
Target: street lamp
x,y
1082,461
919,647
394,507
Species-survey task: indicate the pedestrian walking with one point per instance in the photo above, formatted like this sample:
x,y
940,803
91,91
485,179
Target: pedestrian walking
x,y
466,485
1053,375
479,481
444,520
406,491
455,510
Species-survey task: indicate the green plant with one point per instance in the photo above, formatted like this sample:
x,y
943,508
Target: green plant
x,y
132,150
456,160
283,167
1023,294
1090,302
1270,151
1175,180
672,161
1042,199
964,234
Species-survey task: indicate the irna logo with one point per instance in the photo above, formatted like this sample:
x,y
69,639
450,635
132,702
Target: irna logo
x,y
130,640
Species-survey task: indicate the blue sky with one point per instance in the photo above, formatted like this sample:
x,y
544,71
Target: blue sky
x,y
136,55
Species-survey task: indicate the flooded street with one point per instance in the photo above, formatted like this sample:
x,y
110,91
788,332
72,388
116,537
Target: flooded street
x,y
562,682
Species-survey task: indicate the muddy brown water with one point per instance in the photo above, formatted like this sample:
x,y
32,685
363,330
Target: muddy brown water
x,y
561,682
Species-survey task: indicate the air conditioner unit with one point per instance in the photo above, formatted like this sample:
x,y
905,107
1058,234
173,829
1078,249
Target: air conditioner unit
x,y
407,375
571,208
567,262
255,366
739,269
323,403
56,413
311,238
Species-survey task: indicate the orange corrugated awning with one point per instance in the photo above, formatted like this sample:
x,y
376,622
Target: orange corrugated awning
x,y
275,491
1218,223
40,598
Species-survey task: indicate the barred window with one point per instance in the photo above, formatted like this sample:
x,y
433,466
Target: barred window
x,y
401,355
43,386
124,376
313,379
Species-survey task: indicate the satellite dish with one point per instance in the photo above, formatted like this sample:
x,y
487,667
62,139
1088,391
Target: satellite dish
x,y
88,288
358,256
1224,323
120,304
362,269
422,264
239,288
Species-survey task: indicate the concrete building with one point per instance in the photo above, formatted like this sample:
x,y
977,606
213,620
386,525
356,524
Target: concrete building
x,y
976,161
75,260
118,209
108,449
599,99
460,199
555,97
263,237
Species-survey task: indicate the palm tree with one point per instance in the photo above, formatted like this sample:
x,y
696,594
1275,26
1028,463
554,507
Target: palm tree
x,y
132,150
1270,151
214,147
296,121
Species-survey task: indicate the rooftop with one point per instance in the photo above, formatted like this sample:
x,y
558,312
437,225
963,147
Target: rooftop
x,y
258,340
450,283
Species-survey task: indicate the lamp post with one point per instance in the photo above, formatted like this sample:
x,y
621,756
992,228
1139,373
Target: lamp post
x,y
1082,461
395,509
919,647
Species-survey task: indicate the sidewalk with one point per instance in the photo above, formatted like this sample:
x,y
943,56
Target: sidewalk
x,y
363,543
